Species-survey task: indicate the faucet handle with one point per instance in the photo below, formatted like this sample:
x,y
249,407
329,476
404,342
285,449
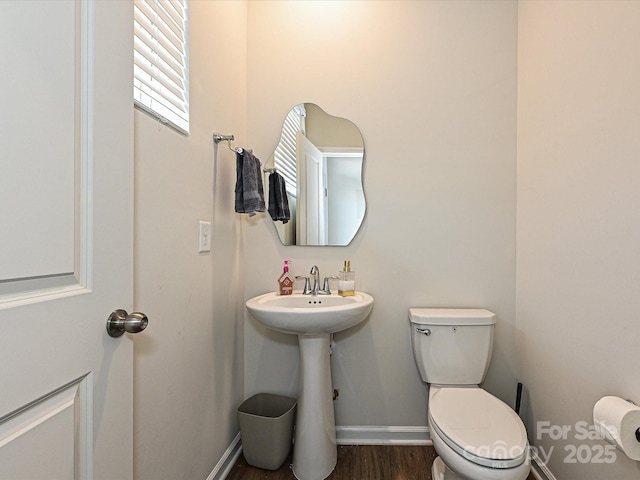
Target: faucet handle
x,y
307,285
325,288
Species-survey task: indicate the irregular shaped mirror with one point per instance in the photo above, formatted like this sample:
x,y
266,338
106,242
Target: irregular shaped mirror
x,y
320,158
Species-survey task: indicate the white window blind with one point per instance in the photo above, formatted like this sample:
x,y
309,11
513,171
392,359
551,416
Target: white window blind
x,y
285,154
161,66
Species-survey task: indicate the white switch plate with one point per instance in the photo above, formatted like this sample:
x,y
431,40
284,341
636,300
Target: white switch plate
x,y
204,237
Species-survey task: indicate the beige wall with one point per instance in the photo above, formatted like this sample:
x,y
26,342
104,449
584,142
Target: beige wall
x,y
328,131
189,362
432,88
578,230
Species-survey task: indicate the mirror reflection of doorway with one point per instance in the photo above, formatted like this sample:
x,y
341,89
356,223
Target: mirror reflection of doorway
x,y
345,196
321,159
331,198
312,218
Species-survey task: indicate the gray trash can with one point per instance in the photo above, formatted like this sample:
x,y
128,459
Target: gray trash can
x,y
266,429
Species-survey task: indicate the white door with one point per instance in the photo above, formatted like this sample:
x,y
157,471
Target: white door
x,y
66,223
311,221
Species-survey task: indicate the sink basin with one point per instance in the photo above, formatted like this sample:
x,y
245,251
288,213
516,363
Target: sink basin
x,y
313,319
300,314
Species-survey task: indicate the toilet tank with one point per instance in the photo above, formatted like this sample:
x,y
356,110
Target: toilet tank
x,y
452,346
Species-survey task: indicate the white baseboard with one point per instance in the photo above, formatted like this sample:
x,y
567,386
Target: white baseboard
x,y
228,460
369,435
345,436
539,469
382,435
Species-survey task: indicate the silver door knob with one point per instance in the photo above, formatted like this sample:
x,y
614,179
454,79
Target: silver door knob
x,y
120,321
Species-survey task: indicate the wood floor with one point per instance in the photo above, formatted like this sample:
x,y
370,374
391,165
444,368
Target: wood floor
x,y
361,462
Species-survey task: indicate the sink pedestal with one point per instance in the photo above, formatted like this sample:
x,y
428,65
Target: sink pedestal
x,y
313,318
315,450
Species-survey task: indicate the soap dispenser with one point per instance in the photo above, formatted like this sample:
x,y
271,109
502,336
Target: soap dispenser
x,y
346,281
285,281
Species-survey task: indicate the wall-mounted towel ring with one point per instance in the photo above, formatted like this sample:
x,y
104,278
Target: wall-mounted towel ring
x,y
218,137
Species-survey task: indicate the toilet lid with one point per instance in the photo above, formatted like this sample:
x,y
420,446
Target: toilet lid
x,y
478,426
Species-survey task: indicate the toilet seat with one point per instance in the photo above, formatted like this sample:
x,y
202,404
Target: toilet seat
x,y
478,426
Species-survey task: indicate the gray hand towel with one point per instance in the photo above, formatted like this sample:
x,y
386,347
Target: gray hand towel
x,y
278,201
249,193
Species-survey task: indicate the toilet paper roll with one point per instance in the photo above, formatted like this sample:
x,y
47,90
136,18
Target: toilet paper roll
x,y
618,421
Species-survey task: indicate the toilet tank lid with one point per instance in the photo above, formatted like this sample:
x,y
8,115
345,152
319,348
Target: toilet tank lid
x,y
451,316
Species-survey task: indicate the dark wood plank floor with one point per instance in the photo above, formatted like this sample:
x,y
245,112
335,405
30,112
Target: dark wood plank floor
x,y
361,462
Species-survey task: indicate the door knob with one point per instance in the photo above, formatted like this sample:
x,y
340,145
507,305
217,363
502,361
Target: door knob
x,y
120,321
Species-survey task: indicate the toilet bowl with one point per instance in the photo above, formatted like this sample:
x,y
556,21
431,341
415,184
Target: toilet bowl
x,y
476,435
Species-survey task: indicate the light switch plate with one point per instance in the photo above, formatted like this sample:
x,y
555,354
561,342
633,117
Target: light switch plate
x,y
204,237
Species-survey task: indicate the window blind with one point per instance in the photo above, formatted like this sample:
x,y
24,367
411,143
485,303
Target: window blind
x,y
160,57
285,154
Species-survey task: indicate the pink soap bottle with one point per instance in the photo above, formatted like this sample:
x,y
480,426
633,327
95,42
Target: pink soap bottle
x,y
285,281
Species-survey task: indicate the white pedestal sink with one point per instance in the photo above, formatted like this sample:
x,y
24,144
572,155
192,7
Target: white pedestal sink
x,y
313,319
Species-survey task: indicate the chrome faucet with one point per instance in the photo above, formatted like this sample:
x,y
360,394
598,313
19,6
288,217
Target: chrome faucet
x,y
307,286
316,290
325,289
316,279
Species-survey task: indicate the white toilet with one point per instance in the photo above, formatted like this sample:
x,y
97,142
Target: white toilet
x,y
476,436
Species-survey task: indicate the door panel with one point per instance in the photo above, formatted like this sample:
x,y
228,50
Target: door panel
x,y
39,80
311,213
66,257
52,426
